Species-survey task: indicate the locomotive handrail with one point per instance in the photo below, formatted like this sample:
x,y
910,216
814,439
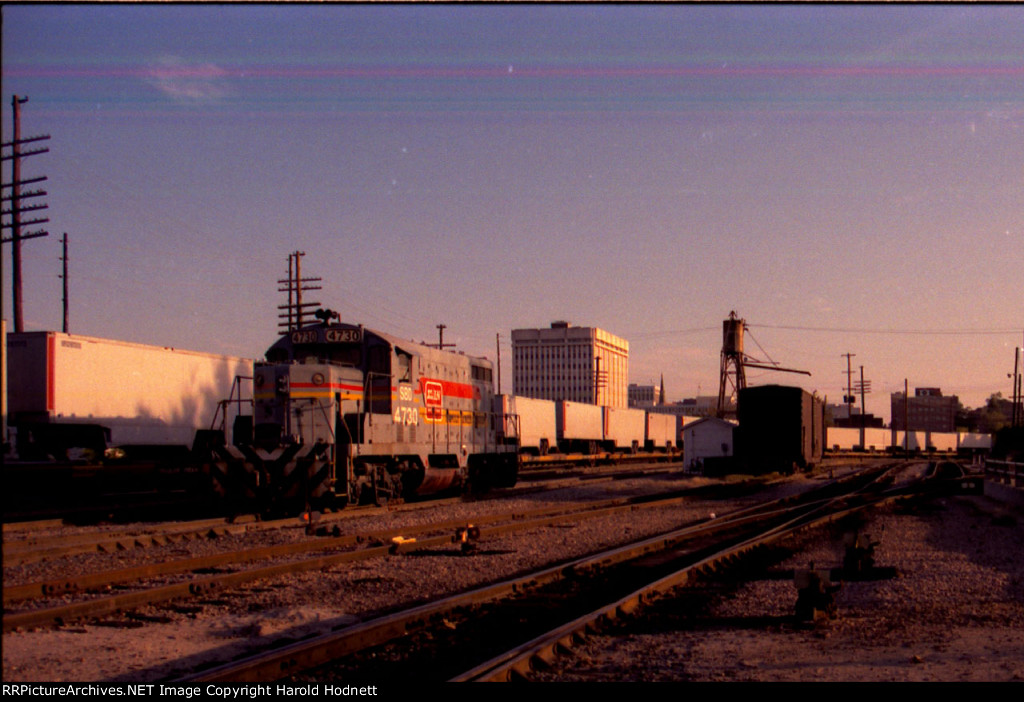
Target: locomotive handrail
x,y
327,419
222,405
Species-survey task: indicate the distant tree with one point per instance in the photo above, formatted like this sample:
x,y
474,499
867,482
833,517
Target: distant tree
x,y
995,416
963,420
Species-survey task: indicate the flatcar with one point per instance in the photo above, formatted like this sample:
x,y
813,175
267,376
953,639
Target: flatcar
x,y
344,414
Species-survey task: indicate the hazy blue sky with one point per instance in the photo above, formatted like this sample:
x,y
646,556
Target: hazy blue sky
x,y
848,179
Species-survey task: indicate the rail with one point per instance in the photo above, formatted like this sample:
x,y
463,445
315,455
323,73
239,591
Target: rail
x,y
307,654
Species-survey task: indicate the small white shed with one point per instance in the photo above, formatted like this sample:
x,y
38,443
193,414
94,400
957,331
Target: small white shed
x,y
710,437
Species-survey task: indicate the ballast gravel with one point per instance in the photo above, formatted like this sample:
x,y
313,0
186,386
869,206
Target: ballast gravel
x,y
954,613
159,642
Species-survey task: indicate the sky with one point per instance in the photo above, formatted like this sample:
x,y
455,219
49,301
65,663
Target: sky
x,y
848,180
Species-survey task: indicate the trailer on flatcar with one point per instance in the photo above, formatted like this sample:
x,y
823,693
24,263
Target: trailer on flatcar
x,y
624,429
529,423
74,397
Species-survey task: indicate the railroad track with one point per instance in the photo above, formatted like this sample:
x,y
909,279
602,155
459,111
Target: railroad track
x,y
34,547
305,555
28,542
448,628
294,605
520,661
90,506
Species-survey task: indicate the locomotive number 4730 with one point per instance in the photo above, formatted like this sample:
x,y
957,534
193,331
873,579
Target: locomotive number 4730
x,y
406,415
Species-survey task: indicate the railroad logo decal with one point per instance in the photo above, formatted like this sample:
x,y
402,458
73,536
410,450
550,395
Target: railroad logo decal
x,y
433,393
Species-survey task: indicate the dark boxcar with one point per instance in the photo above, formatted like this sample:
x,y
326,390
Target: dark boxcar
x,y
781,429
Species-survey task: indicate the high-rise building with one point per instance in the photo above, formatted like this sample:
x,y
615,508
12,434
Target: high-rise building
x,y
582,364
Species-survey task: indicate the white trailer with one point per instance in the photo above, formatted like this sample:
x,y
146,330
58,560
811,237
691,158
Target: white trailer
x,y
624,429
967,441
912,441
144,395
942,441
530,422
580,427
842,438
849,439
661,431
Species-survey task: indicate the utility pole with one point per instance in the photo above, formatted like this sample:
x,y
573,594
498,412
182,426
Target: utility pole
x,y
295,285
440,337
863,386
600,380
849,398
64,277
497,350
1018,409
17,206
906,418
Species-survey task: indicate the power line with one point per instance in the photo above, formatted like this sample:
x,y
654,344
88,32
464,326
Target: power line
x,y
837,330
670,332
920,332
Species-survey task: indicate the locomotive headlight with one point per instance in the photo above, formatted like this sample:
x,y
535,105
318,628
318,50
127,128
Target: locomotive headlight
x,y
282,385
318,379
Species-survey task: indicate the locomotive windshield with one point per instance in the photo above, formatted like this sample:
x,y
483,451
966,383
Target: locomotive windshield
x,y
343,354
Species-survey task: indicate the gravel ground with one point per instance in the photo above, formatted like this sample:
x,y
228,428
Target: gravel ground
x,y
954,612
306,603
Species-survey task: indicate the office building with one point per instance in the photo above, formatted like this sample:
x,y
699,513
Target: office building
x,y
581,364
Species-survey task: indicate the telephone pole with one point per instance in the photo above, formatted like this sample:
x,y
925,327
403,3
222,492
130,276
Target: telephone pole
x,y
295,285
17,198
600,380
863,387
1018,408
440,337
64,277
497,351
849,398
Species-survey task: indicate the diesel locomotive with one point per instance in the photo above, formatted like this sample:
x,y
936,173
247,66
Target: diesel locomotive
x,y
345,414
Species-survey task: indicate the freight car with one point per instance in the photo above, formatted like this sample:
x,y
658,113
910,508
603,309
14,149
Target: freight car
x,y
661,432
624,429
529,424
80,397
342,414
897,441
580,427
780,429
591,429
